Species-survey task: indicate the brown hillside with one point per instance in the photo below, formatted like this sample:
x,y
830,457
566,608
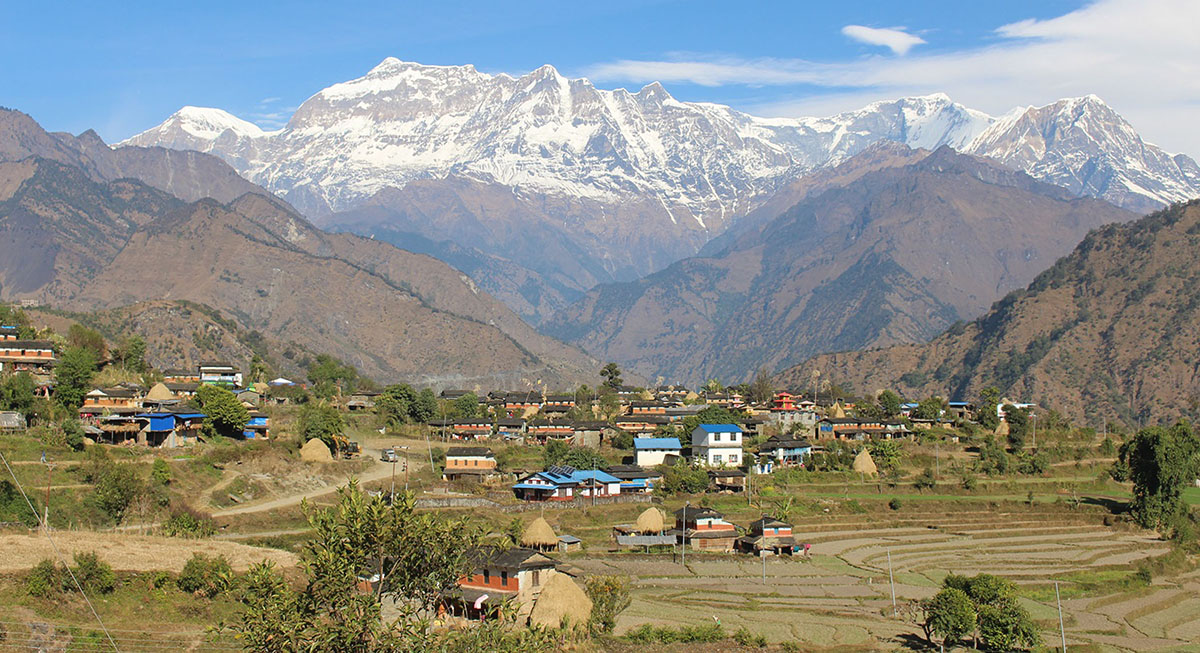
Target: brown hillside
x,y
1112,330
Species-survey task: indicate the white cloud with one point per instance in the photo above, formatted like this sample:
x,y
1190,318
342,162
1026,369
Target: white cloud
x,y
894,38
1140,56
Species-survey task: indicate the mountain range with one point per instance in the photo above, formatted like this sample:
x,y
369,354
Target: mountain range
x,y
1108,332
892,246
80,233
579,186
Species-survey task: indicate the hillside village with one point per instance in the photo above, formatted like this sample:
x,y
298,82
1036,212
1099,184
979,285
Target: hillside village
x,y
668,473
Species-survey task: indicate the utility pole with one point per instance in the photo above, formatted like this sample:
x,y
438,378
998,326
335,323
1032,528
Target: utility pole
x,y
1061,630
1034,418
937,458
683,551
892,581
392,496
763,555
405,468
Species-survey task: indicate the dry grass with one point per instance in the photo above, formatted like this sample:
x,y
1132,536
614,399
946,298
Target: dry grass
x,y
130,552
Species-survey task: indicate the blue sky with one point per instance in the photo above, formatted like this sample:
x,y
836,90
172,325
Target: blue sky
x,y
123,68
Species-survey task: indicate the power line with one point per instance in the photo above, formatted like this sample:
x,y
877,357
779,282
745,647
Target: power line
x,y
46,530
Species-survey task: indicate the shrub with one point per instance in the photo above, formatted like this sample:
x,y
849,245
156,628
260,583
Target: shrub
x,y
610,596
204,576
188,522
747,638
894,504
45,579
93,574
73,434
116,489
648,634
926,481
160,472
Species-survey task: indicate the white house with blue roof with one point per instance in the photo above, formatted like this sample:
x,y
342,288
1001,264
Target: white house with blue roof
x,y
650,452
717,445
564,483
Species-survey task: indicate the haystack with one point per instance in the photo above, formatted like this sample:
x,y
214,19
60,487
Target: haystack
x,y
838,412
1002,429
539,536
160,393
315,451
650,522
561,602
864,464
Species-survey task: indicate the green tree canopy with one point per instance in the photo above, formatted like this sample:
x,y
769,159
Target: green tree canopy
x,y
331,377
889,402
395,404
612,376
929,408
81,336
224,415
1018,425
711,415
425,406
1161,463
467,406
131,354
761,390
17,392
73,376
985,410
949,614
321,421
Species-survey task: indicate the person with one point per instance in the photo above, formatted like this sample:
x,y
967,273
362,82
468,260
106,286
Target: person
x,y
807,548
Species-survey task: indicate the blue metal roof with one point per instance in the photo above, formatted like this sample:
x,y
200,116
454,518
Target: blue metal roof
x,y
656,443
532,486
720,428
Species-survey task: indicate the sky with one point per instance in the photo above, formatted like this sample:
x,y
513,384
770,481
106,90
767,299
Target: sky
x,y
122,68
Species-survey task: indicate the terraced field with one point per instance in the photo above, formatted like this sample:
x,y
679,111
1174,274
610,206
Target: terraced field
x,y
842,595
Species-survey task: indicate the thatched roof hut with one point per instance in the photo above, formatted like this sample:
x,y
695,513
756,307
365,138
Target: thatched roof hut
x,y
864,464
160,393
539,536
562,601
650,522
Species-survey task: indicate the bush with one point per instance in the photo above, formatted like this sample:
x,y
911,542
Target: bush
x,y
204,576
93,574
648,634
188,522
45,579
926,481
610,596
747,638
116,489
894,504
160,472
73,434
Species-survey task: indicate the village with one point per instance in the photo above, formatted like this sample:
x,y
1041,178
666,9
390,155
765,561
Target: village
x,y
587,483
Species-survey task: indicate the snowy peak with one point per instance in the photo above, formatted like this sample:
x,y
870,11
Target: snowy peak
x,y
704,164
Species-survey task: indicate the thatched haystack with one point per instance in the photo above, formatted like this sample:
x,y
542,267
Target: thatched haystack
x,y
838,411
1002,429
539,536
650,522
561,601
864,464
160,393
315,451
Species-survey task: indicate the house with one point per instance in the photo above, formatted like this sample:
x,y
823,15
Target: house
x,y
470,464
452,394
10,332
33,356
679,413
726,480
558,404
181,376
628,393
169,429
703,529
647,408
502,575
219,373
635,479
564,483
182,390
510,428
521,404
786,450
641,423
717,445
259,426
675,394
363,400
542,431
848,428
101,398
961,410
768,535
649,452
784,401
726,400
591,434
474,428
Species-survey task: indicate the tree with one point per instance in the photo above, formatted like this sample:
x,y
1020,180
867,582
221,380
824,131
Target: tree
x,y
160,472
929,408
1161,462
321,421
17,392
73,376
81,336
72,434
131,354
885,453
260,372
425,406
558,452
1000,622
889,403
710,415
116,490
993,459
331,377
761,390
925,481
949,614
224,415
610,596
985,412
1018,425
395,403
683,478
467,405
1006,627
612,376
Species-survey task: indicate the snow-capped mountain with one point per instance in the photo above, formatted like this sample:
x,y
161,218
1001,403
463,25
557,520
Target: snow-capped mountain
x,y
544,133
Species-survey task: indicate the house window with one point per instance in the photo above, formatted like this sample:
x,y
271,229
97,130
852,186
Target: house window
x,y
504,578
716,457
733,457
536,577
487,576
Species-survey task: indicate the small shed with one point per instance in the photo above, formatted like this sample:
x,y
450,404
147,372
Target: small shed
x,y
569,544
11,421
